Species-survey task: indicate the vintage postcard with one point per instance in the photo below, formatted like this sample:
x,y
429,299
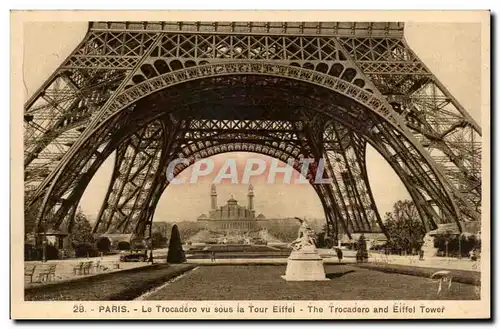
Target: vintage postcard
x,y
250,165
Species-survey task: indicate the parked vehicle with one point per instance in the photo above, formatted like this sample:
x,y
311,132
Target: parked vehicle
x,y
138,255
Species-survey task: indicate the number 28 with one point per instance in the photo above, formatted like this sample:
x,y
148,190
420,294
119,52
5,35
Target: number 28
x,y
78,308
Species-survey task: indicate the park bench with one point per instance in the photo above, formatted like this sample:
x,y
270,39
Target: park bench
x,y
116,265
100,267
29,270
97,266
77,269
51,275
86,266
47,273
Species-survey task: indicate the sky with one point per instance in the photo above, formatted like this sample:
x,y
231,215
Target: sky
x,y
450,50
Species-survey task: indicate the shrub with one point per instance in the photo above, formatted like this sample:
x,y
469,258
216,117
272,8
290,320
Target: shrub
x,y
36,253
52,252
123,245
29,252
175,252
103,244
158,240
86,249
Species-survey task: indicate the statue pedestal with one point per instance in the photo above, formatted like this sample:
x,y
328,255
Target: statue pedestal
x,y
305,265
428,246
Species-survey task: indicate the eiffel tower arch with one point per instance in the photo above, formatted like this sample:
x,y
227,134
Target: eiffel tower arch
x,y
156,91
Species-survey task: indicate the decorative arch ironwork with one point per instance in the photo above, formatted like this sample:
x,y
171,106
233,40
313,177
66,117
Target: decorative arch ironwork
x,y
373,84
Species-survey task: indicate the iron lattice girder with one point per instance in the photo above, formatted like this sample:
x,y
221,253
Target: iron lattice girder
x,y
212,148
383,56
429,110
353,194
282,131
49,135
150,104
133,167
230,147
260,28
120,214
348,169
104,48
137,220
356,59
75,95
99,147
157,99
133,180
364,120
415,175
358,214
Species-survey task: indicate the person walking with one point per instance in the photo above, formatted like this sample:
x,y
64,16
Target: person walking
x,y
212,256
339,254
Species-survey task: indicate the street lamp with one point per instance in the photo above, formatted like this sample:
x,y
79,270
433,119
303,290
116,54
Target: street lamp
x,y
44,241
151,242
44,249
460,246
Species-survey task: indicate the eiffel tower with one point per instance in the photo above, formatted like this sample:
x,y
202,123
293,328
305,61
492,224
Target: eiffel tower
x,y
156,91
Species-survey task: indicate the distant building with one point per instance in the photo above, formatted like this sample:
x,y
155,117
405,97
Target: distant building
x,y
161,227
231,216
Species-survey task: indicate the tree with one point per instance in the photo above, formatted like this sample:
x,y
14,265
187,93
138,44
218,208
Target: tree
x,y
82,230
454,245
31,229
86,250
320,240
175,252
323,240
404,227
327,237
29,223
158,240
284,230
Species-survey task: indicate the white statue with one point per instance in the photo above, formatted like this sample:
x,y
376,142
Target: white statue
x,y
304,262
305,238
428,246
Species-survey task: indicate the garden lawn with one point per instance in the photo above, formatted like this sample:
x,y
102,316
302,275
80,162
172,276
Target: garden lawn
x,y
264,282
461,276
122,285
